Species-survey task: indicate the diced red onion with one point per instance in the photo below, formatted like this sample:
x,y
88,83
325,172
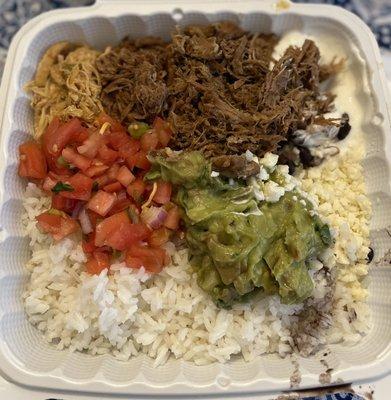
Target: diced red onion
x,y
76,210
121,195
49,183
85,222
153,216
90,146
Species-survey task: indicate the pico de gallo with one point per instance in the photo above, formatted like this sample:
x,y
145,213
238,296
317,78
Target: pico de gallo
x,y
95,179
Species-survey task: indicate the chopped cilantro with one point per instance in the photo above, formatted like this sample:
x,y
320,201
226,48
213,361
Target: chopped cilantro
x,y
62,162
133,215
62,187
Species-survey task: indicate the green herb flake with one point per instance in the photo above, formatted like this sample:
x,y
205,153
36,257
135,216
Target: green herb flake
x,y
62,187
133,215
95,186
62,162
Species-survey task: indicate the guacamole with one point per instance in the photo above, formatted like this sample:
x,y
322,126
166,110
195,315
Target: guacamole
x,y
240,246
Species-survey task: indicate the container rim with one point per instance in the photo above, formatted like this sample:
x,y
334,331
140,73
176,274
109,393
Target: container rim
x,y
14,372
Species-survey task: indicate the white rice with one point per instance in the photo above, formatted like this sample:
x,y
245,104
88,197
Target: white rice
x,y
129,311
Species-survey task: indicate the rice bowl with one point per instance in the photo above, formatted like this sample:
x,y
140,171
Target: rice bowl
x,y
128,312
350,333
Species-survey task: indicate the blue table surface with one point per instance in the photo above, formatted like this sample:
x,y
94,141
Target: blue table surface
x,y
376,13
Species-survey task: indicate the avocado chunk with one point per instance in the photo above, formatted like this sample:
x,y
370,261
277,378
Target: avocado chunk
x,y
239,246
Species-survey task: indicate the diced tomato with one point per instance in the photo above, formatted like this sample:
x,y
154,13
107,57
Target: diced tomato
x,y
81,135
141,161
115,125
163,192
91,145
109,177
59,226
133,262
32,162
112,173
173,218
105,228
119,233
51,180
113,187
103,180
159,237
136,190
128,234
97,262
118,139
107,155
120,204
101,202
48,143
81,185
138,160
124,176
56,137
96,170
149,141
153,259
130,161
63,204
49,183
76,159
130,148
88,244
163,131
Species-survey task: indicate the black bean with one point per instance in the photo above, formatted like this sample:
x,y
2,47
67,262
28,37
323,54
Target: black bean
x,y
292,167
370,255
345,127
306,158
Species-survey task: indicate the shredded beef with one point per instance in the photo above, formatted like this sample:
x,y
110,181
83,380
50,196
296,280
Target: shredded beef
x,y
219,87
234,166
133,79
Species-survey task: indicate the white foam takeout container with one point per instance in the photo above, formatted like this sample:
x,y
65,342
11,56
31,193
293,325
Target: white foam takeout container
x,y
27,360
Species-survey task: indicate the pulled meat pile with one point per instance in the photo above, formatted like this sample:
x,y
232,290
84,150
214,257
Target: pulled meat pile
x,y
133,77
219,87
65,85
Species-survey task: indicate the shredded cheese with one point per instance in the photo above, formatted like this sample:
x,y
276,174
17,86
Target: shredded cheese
x,y
149,201
104,127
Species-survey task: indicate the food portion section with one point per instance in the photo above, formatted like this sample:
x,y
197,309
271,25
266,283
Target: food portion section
x,y
179,201
95,177
240,246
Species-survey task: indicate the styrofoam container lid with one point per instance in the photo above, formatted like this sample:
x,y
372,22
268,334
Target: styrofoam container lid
x,y
24,356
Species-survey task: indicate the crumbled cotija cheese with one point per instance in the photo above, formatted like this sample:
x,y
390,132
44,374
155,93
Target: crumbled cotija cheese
x,y
269,160
338,189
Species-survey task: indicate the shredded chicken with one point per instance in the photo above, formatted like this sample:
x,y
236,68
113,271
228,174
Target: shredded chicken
x,y
66,84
